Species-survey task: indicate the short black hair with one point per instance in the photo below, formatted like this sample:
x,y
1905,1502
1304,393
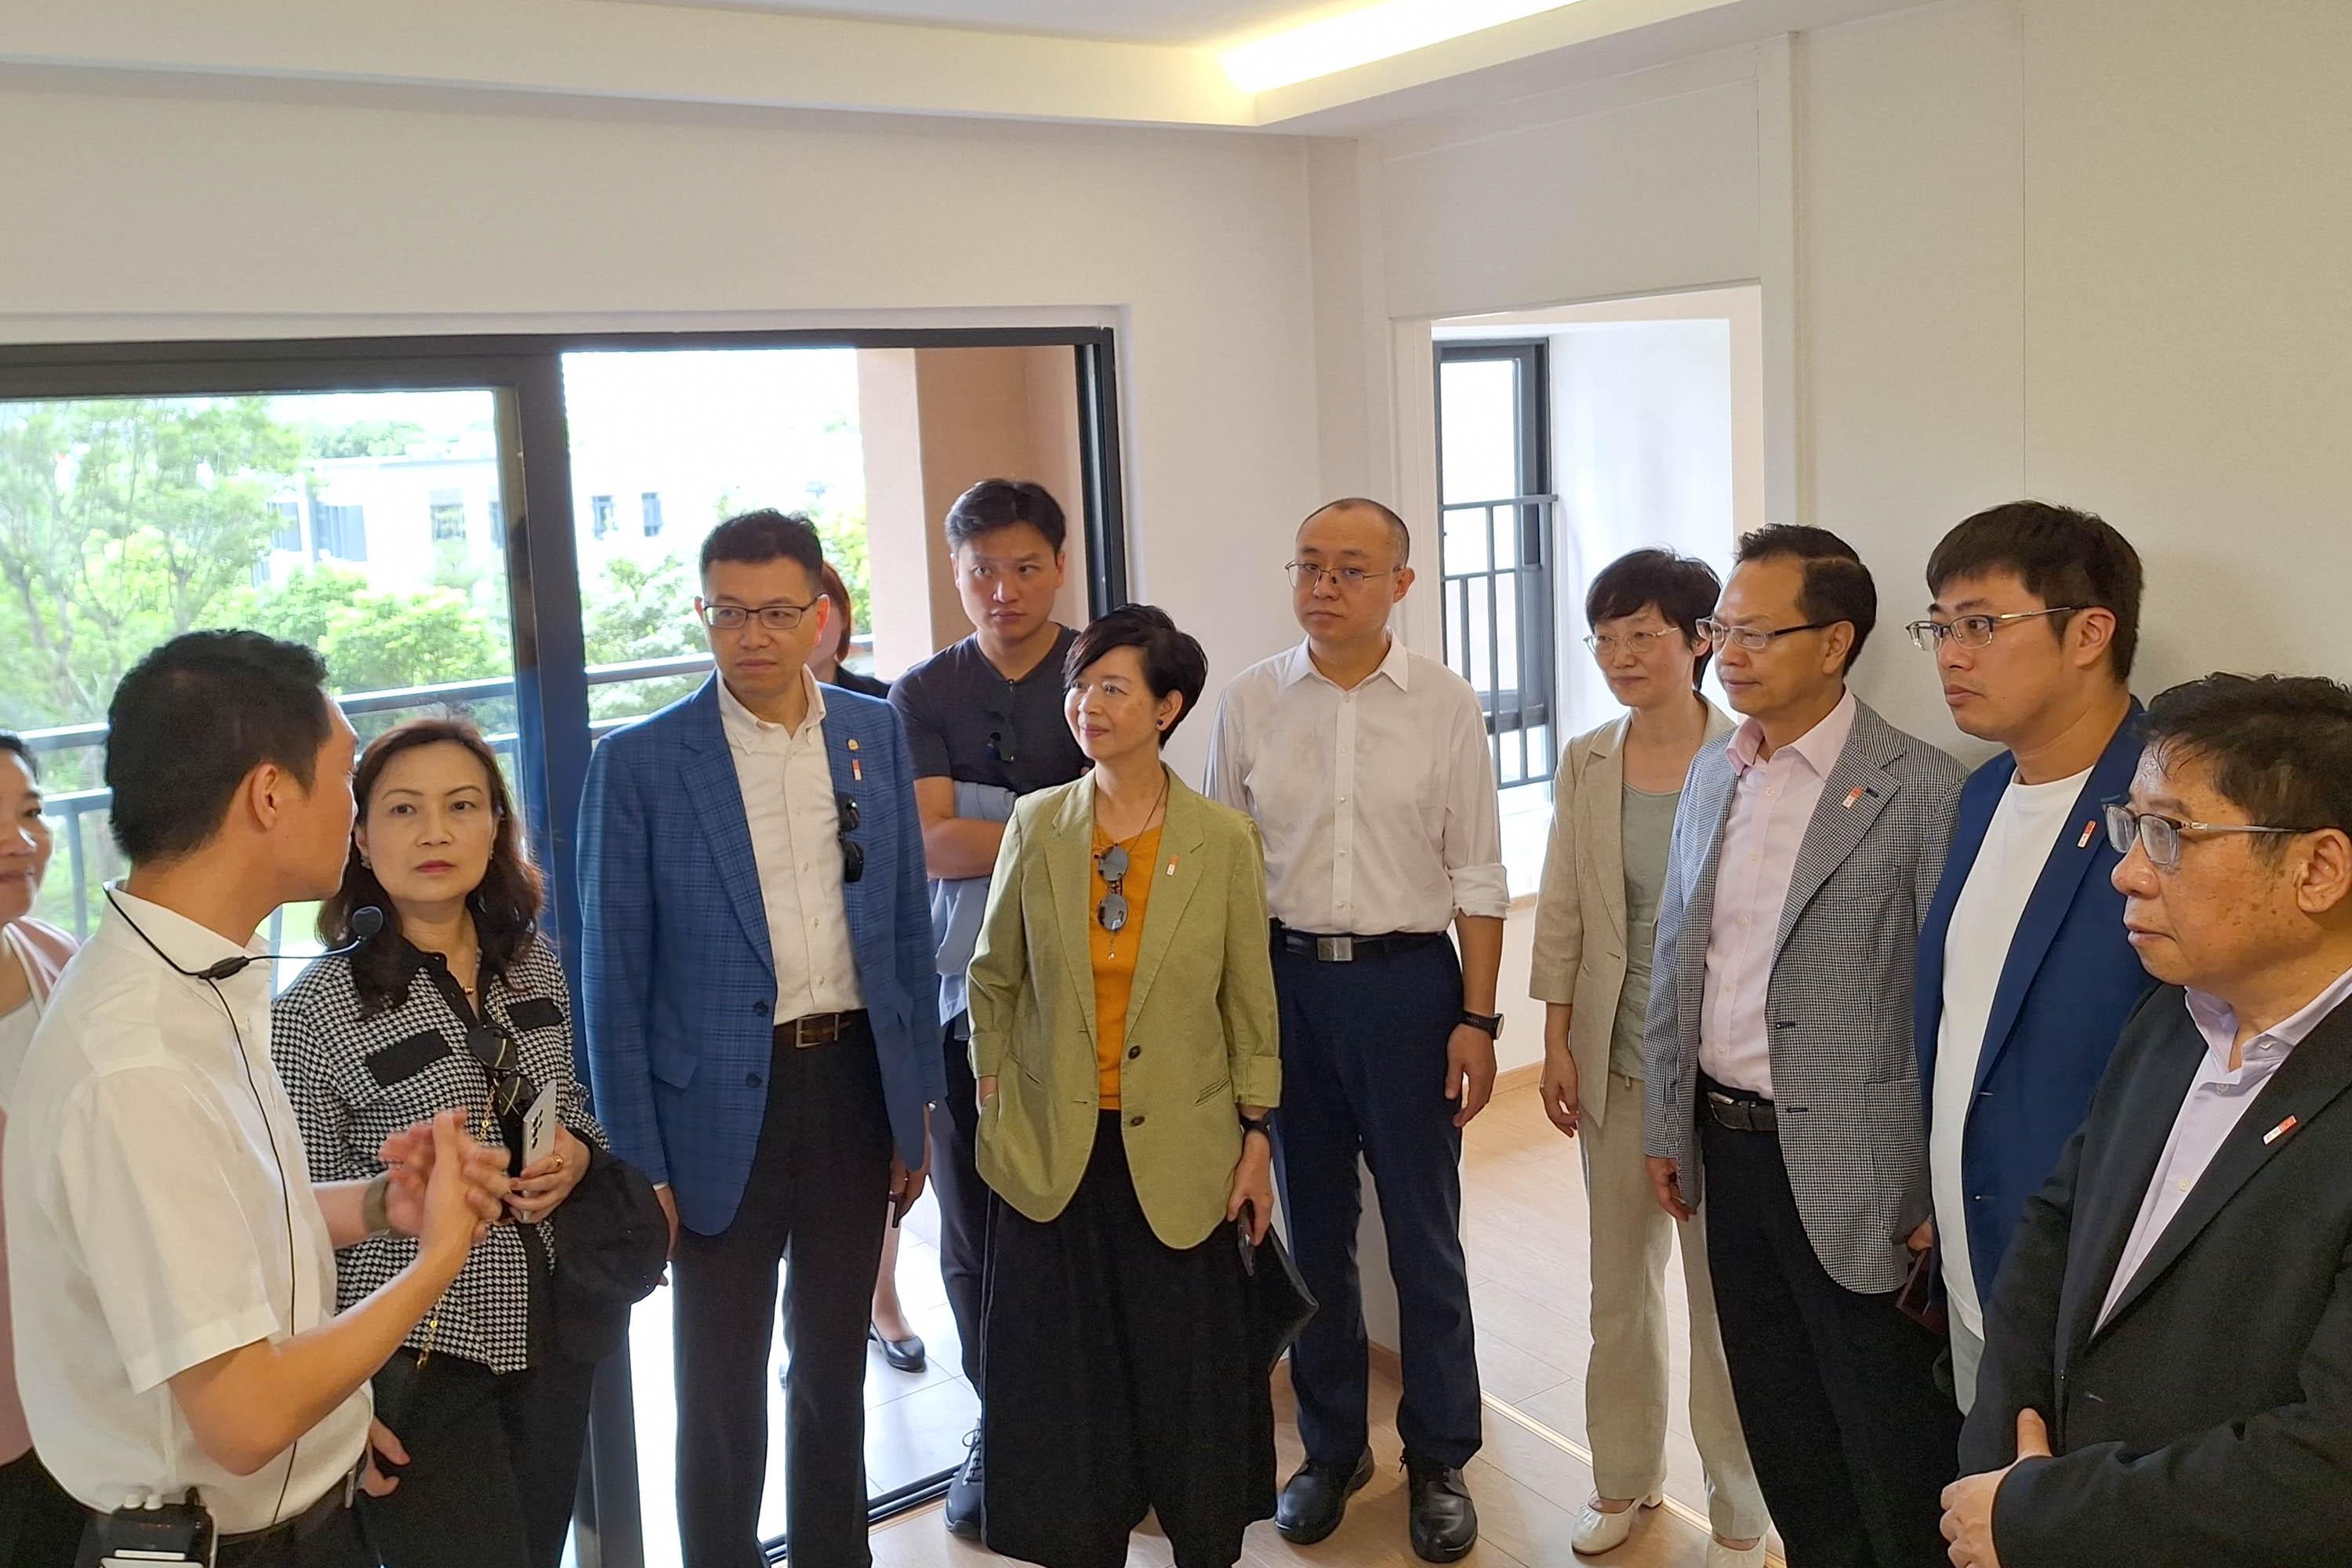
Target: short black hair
x,y
2280,745
1682,587
1837,584
14,743
992,505
1400,536
196,716
1172,661
2063,555
758,537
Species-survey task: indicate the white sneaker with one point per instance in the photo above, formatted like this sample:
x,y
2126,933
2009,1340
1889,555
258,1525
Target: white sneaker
x,y
1718,1555
1597,1531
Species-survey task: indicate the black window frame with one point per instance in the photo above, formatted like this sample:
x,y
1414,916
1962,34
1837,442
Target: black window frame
x,y
1512,716
551,688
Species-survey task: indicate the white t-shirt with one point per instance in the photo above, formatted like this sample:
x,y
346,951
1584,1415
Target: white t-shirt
x,y
148,1226
15,1039
2018,843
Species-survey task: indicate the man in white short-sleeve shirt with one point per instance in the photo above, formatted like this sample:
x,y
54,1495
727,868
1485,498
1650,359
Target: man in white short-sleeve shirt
x,y
173,1266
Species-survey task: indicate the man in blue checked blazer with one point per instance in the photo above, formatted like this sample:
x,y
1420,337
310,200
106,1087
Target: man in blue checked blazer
x,y
763,1022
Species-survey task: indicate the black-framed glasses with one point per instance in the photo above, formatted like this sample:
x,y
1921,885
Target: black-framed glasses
x,y
511,1087
778,617
852,853
2161,836
1974,631
1754,639
1308,575
1111,913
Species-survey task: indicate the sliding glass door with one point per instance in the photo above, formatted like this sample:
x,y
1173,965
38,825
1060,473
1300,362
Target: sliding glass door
x,y
509,526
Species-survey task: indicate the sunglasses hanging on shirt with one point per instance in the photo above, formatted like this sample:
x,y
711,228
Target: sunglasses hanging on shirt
x,y
1111,912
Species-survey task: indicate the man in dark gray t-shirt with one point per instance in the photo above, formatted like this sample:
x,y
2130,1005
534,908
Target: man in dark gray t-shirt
x,y
986,711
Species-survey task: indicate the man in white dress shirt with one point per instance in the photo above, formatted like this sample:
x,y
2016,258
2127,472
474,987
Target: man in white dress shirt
x,y
174,1268
1368,772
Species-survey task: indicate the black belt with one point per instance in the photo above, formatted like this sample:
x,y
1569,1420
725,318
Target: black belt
x,y
819,1028
1348,949
1737,1108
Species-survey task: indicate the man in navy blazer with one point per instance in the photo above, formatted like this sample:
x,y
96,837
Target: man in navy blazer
x,y
2025,976
763,1020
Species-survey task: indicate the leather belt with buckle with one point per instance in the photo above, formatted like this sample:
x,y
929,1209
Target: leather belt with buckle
x,y
1348,949
817,1029
1741,1115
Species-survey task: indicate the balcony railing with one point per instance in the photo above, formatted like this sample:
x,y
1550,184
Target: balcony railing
x,y
68,810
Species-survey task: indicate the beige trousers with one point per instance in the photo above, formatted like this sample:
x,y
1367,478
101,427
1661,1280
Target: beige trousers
x,y
1625,1385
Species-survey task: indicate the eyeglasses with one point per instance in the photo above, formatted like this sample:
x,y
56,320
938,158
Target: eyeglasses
x,y
1308,575
1111,912
1755,639
1638,643
735,618
2161,836
1974,631
852,853
1003,743
511,1087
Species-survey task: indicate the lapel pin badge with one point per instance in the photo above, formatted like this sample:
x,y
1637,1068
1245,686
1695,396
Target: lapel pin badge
x,y
2281,1131
1172,865
2090,831
1852,797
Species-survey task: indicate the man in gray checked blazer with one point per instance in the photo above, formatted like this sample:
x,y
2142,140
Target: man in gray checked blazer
x,y
1782,1085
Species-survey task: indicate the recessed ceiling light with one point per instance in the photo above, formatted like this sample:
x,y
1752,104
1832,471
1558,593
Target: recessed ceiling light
x,y
1356,38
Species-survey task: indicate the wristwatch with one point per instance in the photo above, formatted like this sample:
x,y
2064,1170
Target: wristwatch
x,y
1490,1023
1258,1124
375,1209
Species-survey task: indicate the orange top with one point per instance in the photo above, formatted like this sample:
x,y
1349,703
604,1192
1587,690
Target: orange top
x,y
1114,958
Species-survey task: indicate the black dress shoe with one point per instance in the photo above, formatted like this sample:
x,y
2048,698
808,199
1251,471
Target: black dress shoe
x,y
904,1355
1316,1500
967,1505
1445,1520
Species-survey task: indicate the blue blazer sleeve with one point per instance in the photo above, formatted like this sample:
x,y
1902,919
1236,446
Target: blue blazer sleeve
x,y
915,951
617,956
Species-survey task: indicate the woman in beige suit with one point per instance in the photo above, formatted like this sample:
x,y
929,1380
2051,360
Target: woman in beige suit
x,y
1124,1035
1615,798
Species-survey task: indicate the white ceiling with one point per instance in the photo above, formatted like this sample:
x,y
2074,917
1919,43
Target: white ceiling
x,y
1181,22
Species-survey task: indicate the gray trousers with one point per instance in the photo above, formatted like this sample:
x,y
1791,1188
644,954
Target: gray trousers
x,y
1625,1383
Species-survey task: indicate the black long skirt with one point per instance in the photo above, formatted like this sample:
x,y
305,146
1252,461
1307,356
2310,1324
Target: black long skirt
x,y
1120,1381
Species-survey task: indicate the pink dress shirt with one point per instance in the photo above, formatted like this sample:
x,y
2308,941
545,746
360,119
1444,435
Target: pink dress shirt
x,y
1771,805
2217,1100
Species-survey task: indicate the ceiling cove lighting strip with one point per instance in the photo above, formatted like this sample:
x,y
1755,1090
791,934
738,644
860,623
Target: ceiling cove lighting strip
x,y
1359,37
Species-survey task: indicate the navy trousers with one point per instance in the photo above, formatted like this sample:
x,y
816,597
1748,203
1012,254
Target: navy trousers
x,y
1363,1072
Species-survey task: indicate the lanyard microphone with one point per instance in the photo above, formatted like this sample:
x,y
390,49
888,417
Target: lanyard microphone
x,y
366,921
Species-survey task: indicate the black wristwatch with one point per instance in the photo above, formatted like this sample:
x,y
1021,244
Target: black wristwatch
x,y
1257,1125
1490,1023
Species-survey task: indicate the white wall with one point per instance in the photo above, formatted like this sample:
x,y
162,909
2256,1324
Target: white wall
x,y
135,216
2084,250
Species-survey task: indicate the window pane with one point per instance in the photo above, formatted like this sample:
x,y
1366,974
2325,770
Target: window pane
x,y
698,437
1477,433
319,518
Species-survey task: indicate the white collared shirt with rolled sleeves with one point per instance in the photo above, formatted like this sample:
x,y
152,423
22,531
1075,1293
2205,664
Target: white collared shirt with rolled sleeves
x,y
1377,805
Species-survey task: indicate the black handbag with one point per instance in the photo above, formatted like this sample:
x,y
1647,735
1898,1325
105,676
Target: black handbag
x,y
611,1243
1279,1304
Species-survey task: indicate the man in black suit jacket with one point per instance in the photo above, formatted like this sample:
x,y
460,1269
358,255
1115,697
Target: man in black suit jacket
x,y
2167,1375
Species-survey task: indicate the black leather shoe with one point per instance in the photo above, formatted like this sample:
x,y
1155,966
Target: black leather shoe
x,y
967,1507
1445,1520
904,1355
1316,1500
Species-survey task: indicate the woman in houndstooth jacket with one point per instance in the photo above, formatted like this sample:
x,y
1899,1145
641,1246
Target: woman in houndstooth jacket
x,y
456,1001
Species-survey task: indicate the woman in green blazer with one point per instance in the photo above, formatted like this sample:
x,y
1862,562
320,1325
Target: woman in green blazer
x,y
1125,1039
